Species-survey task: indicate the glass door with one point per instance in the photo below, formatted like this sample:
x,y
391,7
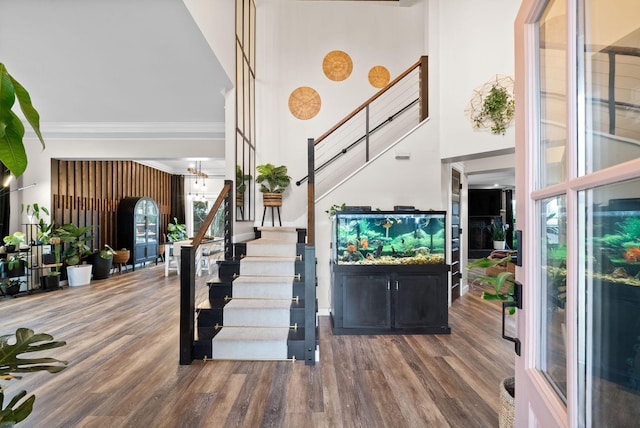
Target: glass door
x,y
578,165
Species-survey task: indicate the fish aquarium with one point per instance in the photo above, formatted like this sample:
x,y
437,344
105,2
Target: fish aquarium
x,y
389,237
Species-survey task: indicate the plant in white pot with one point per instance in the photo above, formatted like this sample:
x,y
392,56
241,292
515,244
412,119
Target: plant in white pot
x,y
76,250
498,232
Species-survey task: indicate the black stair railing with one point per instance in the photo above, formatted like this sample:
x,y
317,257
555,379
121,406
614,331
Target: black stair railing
x,y
188,269
310,307
372,126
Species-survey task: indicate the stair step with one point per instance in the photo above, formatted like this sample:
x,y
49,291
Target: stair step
x,y
273,287
249,343
268,266
270,313
287,234
271,247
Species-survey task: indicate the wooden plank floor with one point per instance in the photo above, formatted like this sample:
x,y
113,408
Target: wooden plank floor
x,y
122,348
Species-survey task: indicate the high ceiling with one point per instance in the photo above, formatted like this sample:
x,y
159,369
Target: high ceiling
x,y
115,63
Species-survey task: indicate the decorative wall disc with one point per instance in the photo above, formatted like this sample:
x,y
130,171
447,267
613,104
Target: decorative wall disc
x,y
379,76
304,103
337,65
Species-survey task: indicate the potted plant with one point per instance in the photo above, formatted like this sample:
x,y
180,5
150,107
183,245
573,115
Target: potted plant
x,y
241,185
76,250
503,286
497,110
12,242
13,266
273,182
11,286
12,152
101,262
498,232
176,231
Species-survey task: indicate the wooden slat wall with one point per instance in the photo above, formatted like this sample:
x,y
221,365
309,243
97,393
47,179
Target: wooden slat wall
x,y
88,193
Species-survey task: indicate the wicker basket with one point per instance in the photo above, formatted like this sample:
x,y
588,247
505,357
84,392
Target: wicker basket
x,y
507,416
272,199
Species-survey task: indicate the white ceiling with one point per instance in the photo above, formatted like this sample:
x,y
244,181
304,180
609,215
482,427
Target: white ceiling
x,y
115,62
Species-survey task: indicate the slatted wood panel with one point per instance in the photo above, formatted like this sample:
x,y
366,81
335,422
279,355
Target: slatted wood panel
x,y
88,193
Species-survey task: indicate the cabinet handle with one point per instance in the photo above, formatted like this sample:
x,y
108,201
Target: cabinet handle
x,y
388,284
397,285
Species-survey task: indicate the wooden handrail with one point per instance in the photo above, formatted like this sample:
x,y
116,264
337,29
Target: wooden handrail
x,y
369,101
197,239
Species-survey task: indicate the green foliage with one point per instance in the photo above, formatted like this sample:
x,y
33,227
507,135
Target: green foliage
x,y
12,151
272,179
241,179
76,237
176,231
498,107
501,283
107,252
334,208
14,261
11,362
15,239
497,229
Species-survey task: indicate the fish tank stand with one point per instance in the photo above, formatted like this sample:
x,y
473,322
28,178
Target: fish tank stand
x,y
388,273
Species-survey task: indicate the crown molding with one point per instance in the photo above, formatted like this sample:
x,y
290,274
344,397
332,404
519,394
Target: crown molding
x,y
131,130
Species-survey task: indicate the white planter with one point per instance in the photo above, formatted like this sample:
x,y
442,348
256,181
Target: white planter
x,y
79,275
498,245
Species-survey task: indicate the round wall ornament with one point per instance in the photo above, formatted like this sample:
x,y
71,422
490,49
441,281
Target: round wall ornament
x,y
492,105
379,76
337,65
304,102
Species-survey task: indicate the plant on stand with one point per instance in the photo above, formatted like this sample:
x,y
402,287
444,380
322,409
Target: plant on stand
x,y
273,181
13,241
241,187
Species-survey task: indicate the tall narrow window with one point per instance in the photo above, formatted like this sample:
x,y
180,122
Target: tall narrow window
x,y
245,108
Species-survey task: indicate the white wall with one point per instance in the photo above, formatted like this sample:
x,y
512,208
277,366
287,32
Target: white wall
x,y
293,39
475,41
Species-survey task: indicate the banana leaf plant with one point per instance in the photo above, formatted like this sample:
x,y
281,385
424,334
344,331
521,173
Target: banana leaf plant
x,y
12,152
502,283
11,362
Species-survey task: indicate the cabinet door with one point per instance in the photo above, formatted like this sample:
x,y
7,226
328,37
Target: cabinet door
x,y
367,302
420,301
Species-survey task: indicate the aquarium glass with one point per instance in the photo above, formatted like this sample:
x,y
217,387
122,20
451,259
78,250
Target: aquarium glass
x,y
609,337
612,83
552,71
389,238
553,278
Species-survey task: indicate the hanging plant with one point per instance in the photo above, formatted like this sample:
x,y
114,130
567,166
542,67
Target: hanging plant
x,y
492,105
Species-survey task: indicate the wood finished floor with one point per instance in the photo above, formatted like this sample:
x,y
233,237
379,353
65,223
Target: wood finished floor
x,y
122,348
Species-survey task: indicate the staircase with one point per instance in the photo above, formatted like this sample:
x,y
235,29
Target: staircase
x,y
256,306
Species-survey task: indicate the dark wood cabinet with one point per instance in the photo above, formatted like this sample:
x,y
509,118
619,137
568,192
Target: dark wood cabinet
x,y
138,229
389,299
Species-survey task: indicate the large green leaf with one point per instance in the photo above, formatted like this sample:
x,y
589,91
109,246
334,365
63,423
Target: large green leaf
x,y
11,348
12,152
27,341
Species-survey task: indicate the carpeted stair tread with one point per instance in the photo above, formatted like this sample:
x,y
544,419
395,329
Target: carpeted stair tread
x,y
250,343
263,287
267,313
271,247
280,266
